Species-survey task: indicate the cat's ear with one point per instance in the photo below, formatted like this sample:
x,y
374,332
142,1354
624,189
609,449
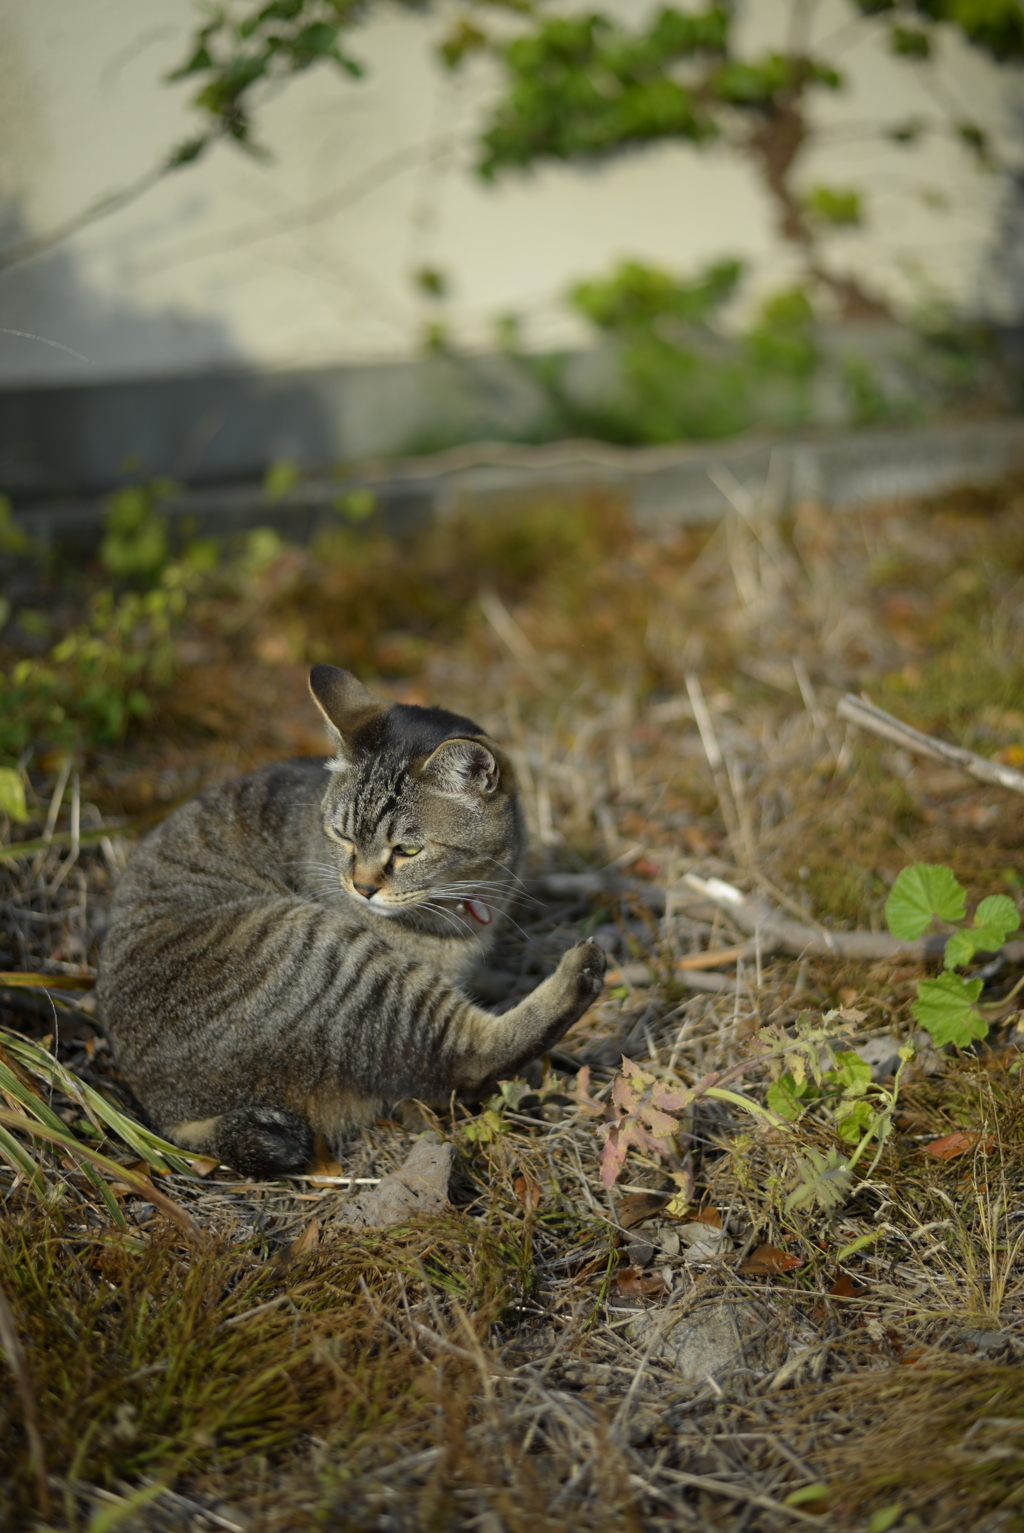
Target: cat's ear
x,y
461,769
344,702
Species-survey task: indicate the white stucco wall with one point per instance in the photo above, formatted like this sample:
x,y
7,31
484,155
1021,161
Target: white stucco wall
x,y
307,260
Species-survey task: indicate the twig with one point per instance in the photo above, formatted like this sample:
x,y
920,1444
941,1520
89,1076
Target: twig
x,y
857,710
15,1354
778,934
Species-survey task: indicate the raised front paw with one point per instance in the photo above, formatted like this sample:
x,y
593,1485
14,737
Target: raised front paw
x,y
582,970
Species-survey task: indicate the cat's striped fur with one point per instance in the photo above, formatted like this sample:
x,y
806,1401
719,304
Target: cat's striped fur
x,y
285,952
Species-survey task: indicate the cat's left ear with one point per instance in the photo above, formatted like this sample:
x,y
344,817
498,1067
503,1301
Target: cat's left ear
x,y
462,769
347,706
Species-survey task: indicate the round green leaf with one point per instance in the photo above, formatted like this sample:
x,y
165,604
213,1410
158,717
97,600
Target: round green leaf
x,y
995,918
921,894
945,1009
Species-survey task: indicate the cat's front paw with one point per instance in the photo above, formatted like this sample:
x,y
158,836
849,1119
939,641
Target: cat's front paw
x,y
582,971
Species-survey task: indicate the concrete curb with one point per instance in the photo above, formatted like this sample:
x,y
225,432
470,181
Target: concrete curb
x,y
663,486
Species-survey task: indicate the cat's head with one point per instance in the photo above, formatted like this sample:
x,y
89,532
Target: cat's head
x,y
421,810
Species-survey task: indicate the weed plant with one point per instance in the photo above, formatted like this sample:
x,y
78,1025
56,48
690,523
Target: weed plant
x,y
237,1354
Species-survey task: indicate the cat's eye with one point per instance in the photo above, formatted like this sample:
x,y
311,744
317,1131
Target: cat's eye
x,y
408,851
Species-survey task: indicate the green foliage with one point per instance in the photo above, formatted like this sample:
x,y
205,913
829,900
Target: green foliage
x,y
12,539
95,681
12,795
910,43
845,1089
679,377
584,86
636,297
923,895
841,207
280,479
135,545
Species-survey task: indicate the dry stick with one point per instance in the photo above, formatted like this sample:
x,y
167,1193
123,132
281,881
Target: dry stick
x,y
716,761
781,935
15,1354
857,710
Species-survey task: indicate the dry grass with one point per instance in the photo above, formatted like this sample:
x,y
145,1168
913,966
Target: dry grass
x,y
491,1370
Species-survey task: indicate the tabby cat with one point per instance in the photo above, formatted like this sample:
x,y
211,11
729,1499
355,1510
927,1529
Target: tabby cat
x,y
285,952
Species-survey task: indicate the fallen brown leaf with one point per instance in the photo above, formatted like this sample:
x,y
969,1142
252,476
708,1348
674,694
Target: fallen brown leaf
x,y
767,1260
632,1284
308,1240
635,1207
527,1191
846,1287
958,1143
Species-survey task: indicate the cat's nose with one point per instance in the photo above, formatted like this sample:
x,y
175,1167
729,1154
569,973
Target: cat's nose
x,y
367,890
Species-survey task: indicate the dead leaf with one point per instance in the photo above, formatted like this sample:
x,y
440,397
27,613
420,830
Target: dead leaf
x,y
307,1241
202,1165
527,1191
768,1260
678,1207
643,867
638,1206
958,1143
845,1287
708,1216
632,1284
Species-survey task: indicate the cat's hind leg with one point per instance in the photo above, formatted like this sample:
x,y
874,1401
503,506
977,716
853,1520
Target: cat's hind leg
x,y
257,1141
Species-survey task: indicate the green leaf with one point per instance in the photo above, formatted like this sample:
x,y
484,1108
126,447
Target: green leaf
x,y
787,1099
484,1129
921,894
857,1245
840,206
824,1179
853,1119
959,950
945,1009
851,1072
884,1518
12,796
816,1492
995,918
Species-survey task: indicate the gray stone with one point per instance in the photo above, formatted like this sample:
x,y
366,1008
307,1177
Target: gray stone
x,y
714,1339
419,1186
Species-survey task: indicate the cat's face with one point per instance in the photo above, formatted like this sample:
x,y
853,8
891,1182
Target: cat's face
x,y
420,813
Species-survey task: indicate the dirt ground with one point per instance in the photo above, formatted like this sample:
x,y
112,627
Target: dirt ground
x,y
692,1347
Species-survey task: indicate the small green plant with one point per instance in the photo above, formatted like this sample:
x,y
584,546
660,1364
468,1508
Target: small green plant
x,y
928,895
96,680
135,545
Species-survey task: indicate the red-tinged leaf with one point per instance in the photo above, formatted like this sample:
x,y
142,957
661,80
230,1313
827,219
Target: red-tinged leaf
x,y
612,1157
672,1100
527,1191
766,1261
632,1284
643,867
958,1143
624,1096
638,1206
846,1287
658,1123
709,1216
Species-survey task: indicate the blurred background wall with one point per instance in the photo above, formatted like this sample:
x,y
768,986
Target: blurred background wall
x,y
243,309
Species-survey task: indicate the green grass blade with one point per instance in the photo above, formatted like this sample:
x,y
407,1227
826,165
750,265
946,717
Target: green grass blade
x,y
16,1156
150,1147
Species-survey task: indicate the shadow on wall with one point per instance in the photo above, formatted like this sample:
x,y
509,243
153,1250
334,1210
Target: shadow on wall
x,y
201,415
59,437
